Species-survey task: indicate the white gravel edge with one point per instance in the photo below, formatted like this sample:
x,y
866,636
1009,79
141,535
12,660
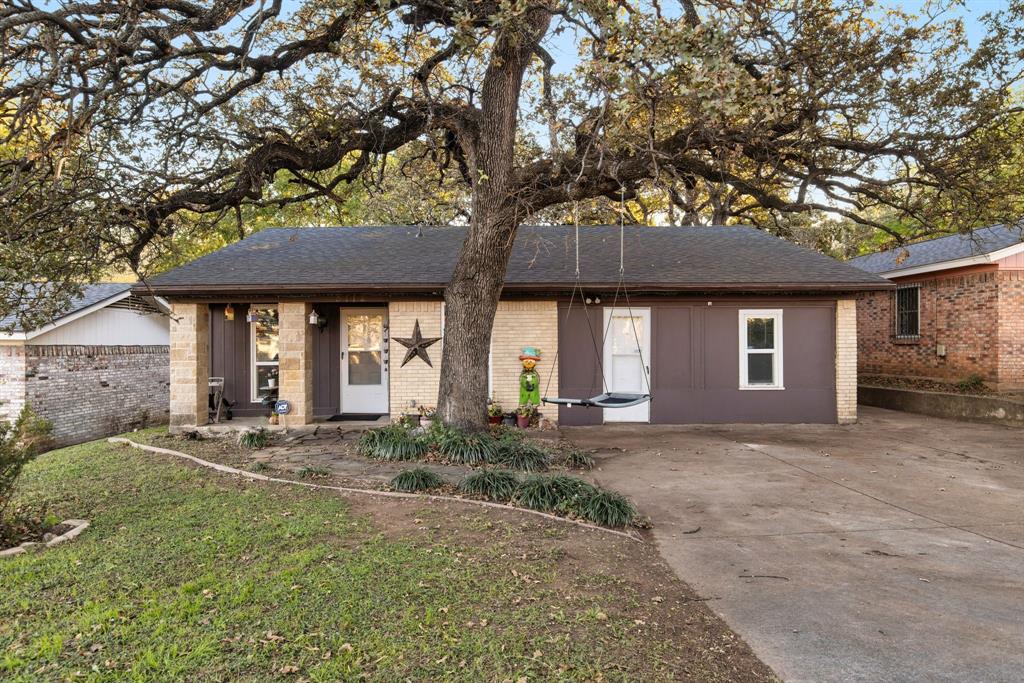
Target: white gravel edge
x,y
77,527
370,492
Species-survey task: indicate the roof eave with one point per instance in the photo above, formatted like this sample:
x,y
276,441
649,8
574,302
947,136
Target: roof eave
x,y
172,291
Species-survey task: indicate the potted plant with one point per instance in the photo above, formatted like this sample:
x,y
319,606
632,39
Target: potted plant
x,y
427,416
524,415
494,412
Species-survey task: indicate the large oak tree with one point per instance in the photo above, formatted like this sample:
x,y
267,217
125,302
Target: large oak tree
x,y
126,120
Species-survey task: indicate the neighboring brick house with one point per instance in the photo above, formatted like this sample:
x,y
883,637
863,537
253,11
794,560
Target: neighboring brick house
x,y
731,324
100,368
957,312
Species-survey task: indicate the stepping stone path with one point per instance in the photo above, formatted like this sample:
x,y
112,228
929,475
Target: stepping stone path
x,y
334,450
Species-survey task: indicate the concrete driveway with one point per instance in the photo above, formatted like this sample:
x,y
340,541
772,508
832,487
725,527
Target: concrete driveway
x,y
890,550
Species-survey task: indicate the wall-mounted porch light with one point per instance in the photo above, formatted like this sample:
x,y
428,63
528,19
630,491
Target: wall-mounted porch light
x,y
229,312
317,320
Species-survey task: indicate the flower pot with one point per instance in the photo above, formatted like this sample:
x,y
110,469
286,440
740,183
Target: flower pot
x,y
494,419
509,420
523,421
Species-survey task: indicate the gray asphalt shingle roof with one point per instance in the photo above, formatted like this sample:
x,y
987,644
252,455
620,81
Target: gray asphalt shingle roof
x,y
394,257
91,294
941,249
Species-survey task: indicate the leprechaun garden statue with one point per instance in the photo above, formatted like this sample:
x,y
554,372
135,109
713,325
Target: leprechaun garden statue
x,y
529,378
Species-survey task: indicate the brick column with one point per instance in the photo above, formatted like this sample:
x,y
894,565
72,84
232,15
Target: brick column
x,y
846,361
295,354
190,364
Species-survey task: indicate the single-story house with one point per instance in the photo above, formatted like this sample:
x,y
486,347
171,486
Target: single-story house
x,y
732,324
957,310
99,368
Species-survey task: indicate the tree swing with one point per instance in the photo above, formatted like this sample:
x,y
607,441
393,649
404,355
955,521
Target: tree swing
x,y
607,399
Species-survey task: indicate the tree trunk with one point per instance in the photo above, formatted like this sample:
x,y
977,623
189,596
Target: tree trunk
x,y
471,301
471,298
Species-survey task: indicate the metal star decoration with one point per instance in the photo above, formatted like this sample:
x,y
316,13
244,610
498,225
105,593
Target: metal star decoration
x,y
417,345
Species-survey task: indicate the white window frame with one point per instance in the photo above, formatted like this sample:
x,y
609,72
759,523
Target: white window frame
x,y
253,363
776,315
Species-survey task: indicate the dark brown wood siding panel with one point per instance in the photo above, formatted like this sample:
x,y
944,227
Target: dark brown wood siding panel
x,y
695,363
808,369
579,371
327,363
229,358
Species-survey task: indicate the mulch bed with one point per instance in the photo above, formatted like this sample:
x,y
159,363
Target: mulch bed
x,y
925,385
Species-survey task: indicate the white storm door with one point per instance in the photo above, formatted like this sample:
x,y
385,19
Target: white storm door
x,y
627,357
364,360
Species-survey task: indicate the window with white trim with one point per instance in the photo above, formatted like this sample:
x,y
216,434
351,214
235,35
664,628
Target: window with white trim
x,y
263,335
760,349
908,312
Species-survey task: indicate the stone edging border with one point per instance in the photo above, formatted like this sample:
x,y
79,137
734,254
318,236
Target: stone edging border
x,y
77,527
370,492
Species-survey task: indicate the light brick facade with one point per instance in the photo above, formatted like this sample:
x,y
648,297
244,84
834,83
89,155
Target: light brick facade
x,y
86,392
518,324
976,316
190,364
417,383
12,380
846,361
295,351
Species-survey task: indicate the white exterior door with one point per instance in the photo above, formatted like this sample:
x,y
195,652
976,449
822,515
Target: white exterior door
x,y
627,357
364,360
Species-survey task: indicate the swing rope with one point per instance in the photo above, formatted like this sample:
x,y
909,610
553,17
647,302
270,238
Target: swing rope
x,y
608,399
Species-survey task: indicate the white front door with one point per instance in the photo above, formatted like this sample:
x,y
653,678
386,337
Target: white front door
x,y
627,357
364,360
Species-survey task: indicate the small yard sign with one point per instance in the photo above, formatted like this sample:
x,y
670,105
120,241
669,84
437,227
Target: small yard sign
x,y
283,407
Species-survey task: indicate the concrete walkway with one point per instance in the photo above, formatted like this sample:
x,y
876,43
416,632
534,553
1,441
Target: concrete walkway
x,y
890,550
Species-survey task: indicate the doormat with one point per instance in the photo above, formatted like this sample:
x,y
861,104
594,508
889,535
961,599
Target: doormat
x,y
355,417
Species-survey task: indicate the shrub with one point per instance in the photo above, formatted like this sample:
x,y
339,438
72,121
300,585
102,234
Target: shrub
x,y
313,472
254,439
538,492
504,434
20,443
575,459
601,507
462,448
972,384
522,455
497,485
547,493
417,479
392,442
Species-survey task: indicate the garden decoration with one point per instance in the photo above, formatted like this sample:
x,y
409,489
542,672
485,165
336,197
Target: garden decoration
x,y
417,345
529,378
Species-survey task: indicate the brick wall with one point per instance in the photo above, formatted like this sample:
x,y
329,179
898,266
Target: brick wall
x,y
12,380
846,361
518,324
417,383
958,310
89,392
1011,330
295,351
190,364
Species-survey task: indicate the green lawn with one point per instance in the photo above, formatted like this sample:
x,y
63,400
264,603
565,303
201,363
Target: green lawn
x,y
189,575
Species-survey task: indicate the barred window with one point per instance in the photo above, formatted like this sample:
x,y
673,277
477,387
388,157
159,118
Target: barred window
x,y
908,312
